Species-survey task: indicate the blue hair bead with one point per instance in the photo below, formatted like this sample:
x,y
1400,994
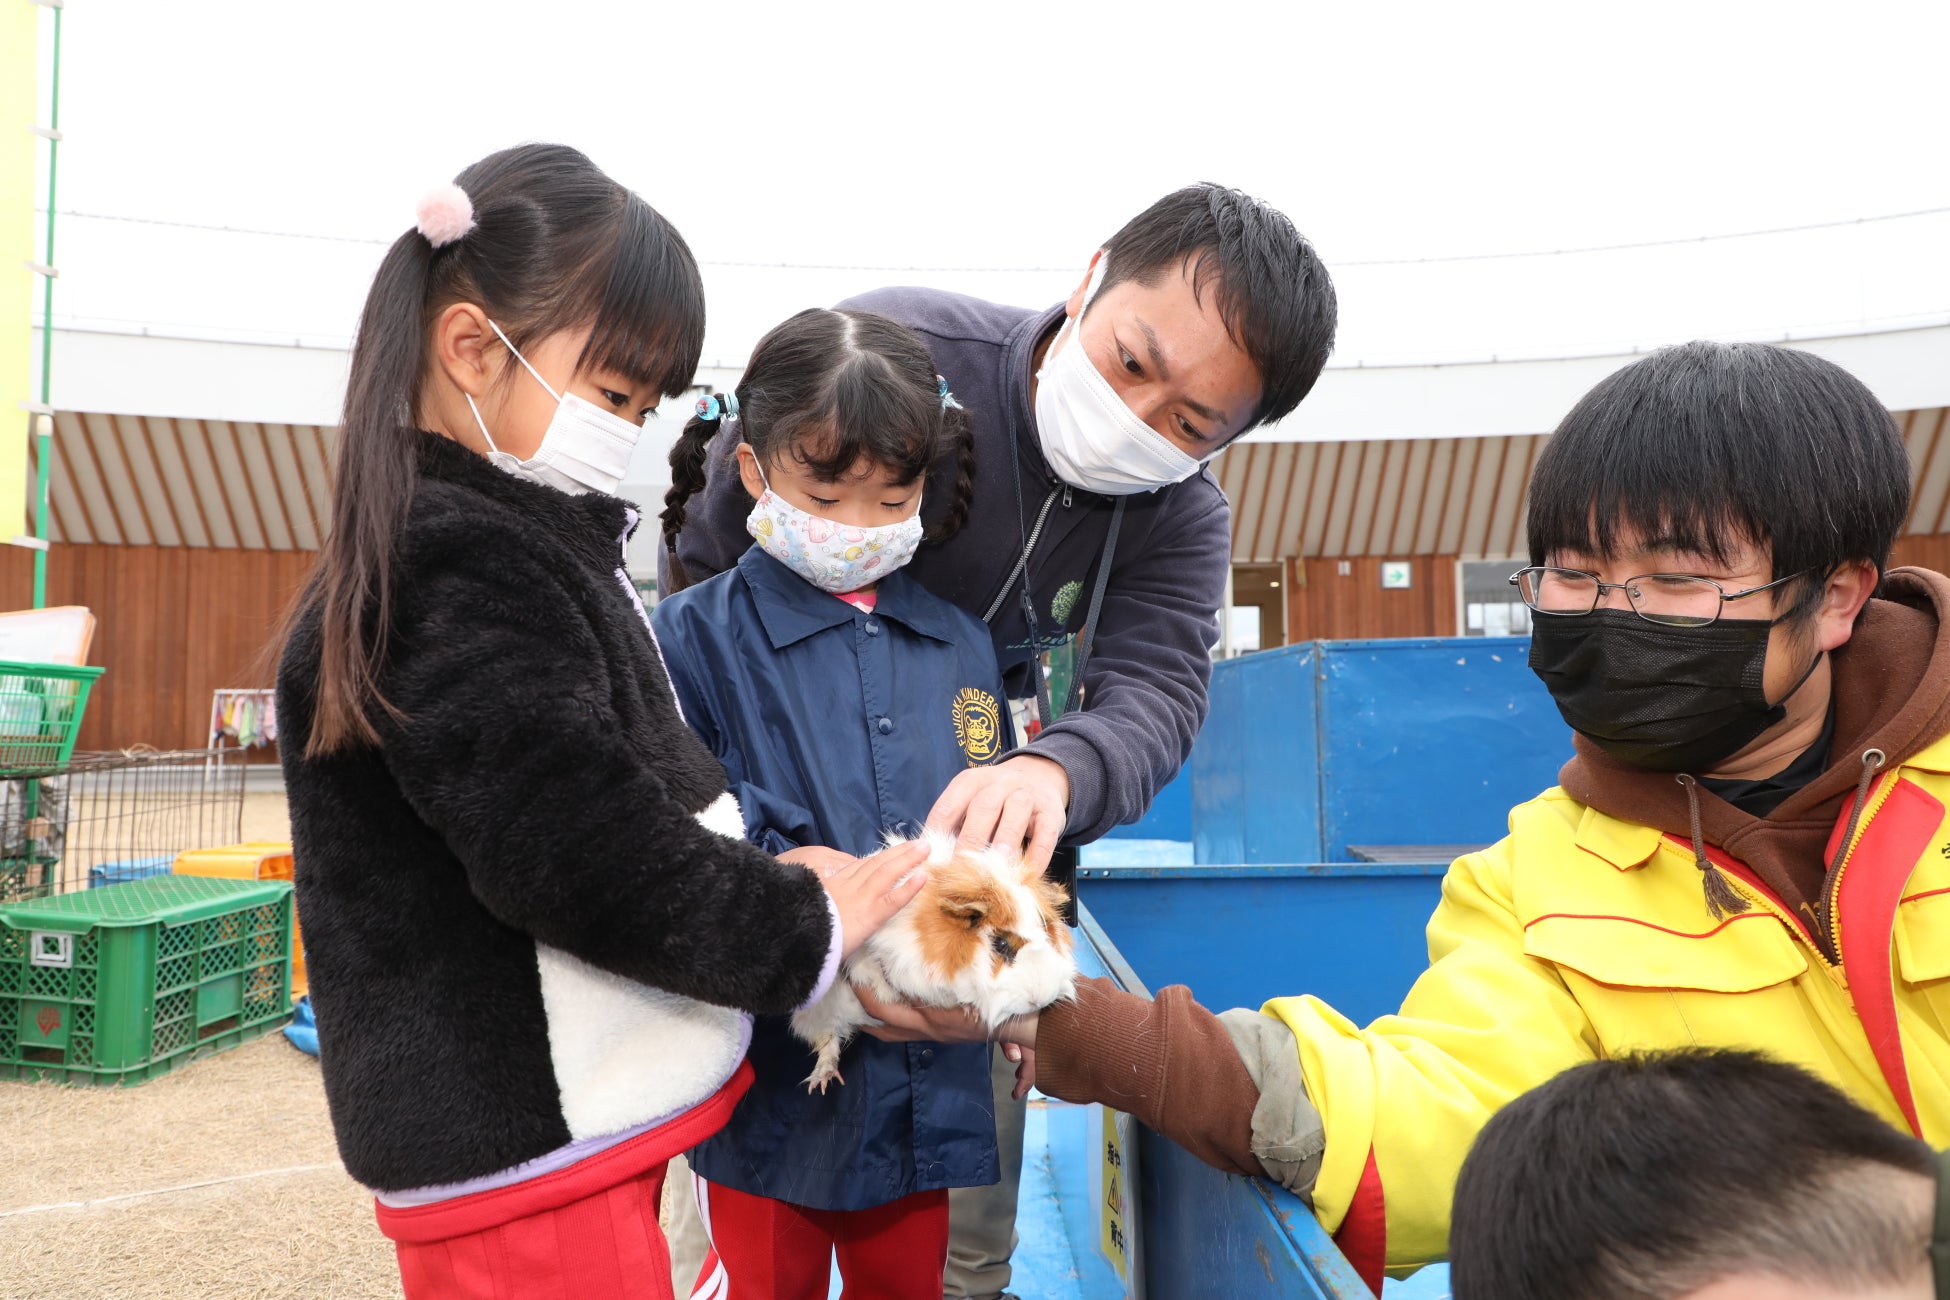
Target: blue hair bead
x,y
948,401
717,407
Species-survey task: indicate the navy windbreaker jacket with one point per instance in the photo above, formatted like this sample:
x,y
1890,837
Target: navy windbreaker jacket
x,y
835,726
1146,681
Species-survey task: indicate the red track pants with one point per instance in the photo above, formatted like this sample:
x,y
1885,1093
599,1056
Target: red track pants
x,y
762,1249
587,1232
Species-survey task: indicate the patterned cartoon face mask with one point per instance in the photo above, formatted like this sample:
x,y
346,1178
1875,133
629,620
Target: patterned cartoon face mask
x,y
837,558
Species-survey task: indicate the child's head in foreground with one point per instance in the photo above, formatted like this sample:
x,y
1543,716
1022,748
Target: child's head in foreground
x,y
1693,1175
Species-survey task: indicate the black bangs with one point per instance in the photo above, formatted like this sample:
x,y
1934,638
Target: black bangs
x,y
828,388
649,318
1705,447
868,412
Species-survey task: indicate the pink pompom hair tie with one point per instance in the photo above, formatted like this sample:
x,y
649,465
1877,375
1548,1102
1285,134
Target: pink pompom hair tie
x,y
445,214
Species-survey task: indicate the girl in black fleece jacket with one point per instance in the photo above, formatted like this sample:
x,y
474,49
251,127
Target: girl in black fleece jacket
x,y
535,932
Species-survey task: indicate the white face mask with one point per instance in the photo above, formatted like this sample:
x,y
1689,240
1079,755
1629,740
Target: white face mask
x,y
586,449
833,557
1091,438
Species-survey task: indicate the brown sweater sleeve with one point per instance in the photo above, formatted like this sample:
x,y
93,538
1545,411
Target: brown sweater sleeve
x,y
1169,1063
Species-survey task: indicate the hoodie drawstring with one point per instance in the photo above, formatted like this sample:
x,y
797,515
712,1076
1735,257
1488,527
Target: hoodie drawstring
x,y
1872,761
1722,899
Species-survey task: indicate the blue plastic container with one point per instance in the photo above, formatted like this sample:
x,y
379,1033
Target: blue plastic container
x,y
1198,1232
119,873
1353,934
1326,744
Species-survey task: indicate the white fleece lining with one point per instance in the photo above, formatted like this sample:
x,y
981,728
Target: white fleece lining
x,y
724,817
626,1052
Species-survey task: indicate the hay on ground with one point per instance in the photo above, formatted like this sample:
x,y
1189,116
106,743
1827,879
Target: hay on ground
x,y
275,1216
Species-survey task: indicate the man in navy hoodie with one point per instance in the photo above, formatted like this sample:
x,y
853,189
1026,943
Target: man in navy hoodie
x,y
1204,316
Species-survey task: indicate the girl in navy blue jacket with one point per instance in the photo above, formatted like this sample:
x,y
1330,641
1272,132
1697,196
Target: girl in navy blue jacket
x,y
841,698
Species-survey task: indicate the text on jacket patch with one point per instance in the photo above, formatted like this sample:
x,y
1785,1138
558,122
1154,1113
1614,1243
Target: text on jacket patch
x,y
978,725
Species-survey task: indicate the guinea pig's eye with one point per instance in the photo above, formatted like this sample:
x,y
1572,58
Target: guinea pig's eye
x,y
1005,945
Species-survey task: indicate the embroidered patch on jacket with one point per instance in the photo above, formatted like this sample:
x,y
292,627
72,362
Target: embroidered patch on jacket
x,y
978,725
1066,600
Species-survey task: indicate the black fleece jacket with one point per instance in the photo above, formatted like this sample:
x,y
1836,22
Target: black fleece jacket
x,y
520,931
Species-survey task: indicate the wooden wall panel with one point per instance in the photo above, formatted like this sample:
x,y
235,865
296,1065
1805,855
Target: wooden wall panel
x,y
173,624
1926,551
178,622
1323,604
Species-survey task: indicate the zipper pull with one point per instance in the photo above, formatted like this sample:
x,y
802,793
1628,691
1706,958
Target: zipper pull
x,y
1066,496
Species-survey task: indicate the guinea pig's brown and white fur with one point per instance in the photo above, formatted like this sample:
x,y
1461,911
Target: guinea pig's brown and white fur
x,y
986,931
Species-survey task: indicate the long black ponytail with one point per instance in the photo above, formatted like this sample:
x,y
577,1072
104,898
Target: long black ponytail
x,y
555,244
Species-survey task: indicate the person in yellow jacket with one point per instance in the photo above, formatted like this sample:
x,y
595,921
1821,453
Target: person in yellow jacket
x,y
1749,848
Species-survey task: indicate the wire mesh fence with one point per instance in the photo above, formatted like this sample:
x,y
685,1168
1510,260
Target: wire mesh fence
x,y
107,818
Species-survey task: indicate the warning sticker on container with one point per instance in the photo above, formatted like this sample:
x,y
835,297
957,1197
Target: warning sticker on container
x,y
1114,1185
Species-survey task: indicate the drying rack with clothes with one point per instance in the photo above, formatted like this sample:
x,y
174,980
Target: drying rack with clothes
x,y
248,716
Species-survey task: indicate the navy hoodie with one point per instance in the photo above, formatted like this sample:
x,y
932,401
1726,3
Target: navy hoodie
x,y
1151,662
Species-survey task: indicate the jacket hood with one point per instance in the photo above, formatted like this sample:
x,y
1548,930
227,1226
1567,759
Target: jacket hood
x,y
1890,691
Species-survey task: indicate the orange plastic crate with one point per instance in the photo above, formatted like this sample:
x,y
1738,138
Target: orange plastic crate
x,y
258,860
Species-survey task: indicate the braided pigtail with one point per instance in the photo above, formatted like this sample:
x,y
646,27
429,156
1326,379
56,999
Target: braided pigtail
x,y
956,425
687,467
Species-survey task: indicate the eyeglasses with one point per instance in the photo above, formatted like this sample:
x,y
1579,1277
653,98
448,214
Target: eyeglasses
x,y
1673,599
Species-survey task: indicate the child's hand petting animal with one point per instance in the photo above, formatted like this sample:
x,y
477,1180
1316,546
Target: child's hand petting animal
x,y
868,892
985,932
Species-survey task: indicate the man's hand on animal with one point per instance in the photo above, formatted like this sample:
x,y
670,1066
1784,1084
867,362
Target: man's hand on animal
x,y
1024,802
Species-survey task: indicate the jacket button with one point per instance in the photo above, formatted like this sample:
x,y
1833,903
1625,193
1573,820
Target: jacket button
x,y
885,726
873,628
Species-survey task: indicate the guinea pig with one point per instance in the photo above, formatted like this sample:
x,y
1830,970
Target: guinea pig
x,y
986,931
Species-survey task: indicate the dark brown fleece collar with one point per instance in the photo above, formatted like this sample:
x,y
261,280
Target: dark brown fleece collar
x,y
1891,686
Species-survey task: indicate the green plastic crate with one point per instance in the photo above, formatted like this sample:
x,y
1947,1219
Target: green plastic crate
x,y
123,983
40,712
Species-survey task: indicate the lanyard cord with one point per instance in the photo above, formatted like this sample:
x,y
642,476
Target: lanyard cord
x,y
1028,539
1089,634
1028,548
1043,711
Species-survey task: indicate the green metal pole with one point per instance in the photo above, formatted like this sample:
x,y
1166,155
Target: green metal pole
x,y
45,444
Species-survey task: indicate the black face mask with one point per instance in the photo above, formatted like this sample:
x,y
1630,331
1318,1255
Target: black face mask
x,y
1667,699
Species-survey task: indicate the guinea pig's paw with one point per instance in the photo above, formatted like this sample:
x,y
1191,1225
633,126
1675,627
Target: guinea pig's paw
x,y
826,1068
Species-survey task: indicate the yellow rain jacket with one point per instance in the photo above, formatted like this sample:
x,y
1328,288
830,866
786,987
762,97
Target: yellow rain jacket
x,y
1581,936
